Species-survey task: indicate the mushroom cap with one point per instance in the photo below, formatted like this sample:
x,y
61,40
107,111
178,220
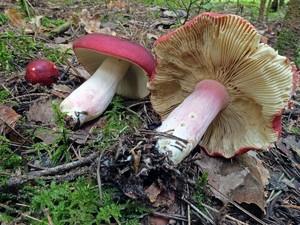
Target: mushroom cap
x,y
225,48
92,49
41,71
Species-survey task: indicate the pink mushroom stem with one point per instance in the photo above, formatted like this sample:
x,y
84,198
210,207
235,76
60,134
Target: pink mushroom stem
x,y
191,118
95,94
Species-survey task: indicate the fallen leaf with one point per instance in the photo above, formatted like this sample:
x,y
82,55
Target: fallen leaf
x,y
92,23
36,22
15,19
120,4
41,111
8,119
62,88
290,145
153,191
165,199
241,179
158,220
48,136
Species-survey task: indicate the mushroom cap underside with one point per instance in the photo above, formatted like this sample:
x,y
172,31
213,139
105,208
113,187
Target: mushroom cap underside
x,y
225,48
92,49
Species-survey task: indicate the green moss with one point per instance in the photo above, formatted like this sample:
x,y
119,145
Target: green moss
x,y
79,203
200,196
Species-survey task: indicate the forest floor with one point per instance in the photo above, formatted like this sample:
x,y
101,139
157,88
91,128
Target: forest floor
x,y
52,174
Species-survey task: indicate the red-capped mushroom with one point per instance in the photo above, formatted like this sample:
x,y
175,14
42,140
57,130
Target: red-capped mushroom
x,y
118,66
216,85
41,71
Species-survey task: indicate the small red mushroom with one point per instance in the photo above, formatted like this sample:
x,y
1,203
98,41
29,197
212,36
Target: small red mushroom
x,y
41,71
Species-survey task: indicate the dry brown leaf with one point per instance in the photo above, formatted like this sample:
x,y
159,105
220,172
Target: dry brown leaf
x,y
158,220
15,19
241,179
92,23
120,4
8,119
153,191
165,199
41,111
48,136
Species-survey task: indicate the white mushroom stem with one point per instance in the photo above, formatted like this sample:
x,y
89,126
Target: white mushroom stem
x,y
90,99
191,118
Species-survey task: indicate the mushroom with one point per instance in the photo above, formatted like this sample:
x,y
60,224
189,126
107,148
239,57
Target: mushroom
x,y
118,66
216,85
41,71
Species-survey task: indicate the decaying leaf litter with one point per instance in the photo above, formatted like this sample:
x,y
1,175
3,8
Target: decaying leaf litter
x,y
265,184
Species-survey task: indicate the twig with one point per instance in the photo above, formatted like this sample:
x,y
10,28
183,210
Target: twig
x,y
138,103
13,181
32,94
290,206
226,216
189,214
235,220
99,178
47,213
19,212
239,207
171,216
198,211
273,196
135,113
13,129
77,74
6,89
163,134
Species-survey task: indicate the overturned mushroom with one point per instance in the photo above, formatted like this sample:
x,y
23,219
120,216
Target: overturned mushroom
x,y
216,85
118,66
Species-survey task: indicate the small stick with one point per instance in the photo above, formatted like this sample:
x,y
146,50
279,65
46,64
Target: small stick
x,y
13,129
32,94
138,103
171,216
77,74
226,216
19,212
17,180
135,113
6,89
47,213
239,207
198,211
99,178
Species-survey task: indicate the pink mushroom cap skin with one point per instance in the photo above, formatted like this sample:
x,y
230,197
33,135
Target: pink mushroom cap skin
x,y
41,71
188,32
113,46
